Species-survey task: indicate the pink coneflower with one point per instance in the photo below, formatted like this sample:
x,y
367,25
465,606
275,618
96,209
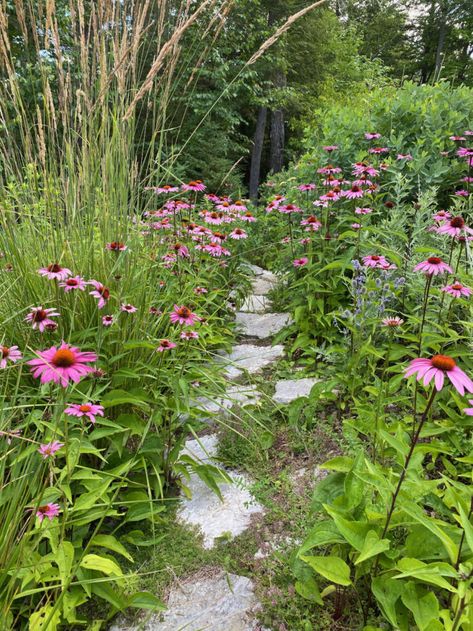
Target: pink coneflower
x,y
404,156
329,169
155,311
289,208
248,217
454,227
469,411
332,181
468,132
215,218
468,179
363,211
61,364
378,150
40,318
48,510
200,290
238,233
180,250
464,152
329,196
9,353
353,193
100,292
374,260
457,290
49,449
311,223
73,283
183,315
195,185
167,188
215,249
441,215
107,320
55,272
165,345
320,203
306,187
370,135
436,368
433,265
90,410
330,148
300,262
356,226
361,168
457,138
127,308
189,335
462,193
393,322
116,246
238,206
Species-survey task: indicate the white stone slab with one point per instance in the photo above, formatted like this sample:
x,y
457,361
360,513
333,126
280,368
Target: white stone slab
x,y
223,602
250,358
262,285
255,304
288,390
204,448
261,325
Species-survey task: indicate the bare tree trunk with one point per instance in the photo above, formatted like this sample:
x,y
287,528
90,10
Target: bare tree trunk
x,y
276,160
256,152
440,41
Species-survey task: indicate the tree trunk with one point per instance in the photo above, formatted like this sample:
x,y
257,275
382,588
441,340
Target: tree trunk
x,y
256,152
276,160
440,41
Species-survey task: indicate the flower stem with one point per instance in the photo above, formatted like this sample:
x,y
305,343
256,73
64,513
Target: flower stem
x,y
414,440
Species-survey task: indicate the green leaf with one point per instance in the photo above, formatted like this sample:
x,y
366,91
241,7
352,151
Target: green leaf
x,y
322,534
309,590
64,559
354,532
332,568
424,605
467,527
44,619
120,397
387,593
327,490
145,600
372,546
101,564
110,542
434,526
107,593
432,573
339,463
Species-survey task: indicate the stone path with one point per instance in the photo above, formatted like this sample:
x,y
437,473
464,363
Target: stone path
x,y
225,602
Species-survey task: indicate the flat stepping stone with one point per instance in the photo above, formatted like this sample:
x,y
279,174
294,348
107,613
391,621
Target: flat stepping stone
x,y
261,325
262,285
234,396
216,517
288,390
222,602
250,358
255,304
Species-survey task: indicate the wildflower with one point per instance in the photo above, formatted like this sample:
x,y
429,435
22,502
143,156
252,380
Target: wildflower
x,y
464,152
372,135
165,345
200,290
155,311
195,185
363,211
49,449
311,223
73,283
167,188
457,290
9,353
353,193
306,187
373,260
300,262
457,138
462,193
378,150
116,246
90,410
437,368
469,411
238,233
330,148
393,322
441,215
55,272
107,320
61,364
127,308
453,227
180,250
183,315
248,217
238,206
433,265
329,196
404,156
189,335
48,510
329,169
40,318
356,226
100,292
215,249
